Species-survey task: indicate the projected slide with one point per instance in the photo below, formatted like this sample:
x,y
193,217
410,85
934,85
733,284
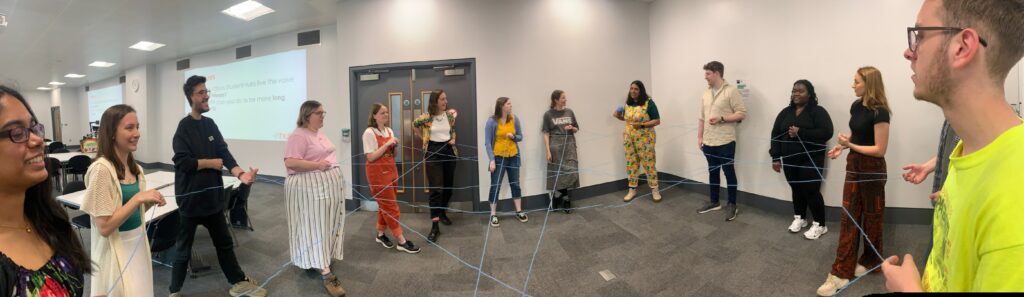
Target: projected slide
x,y
256,99
101,99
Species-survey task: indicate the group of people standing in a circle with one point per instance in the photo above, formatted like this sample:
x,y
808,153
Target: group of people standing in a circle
x,y
798,148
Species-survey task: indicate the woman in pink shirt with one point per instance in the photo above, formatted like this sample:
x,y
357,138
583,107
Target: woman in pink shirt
x,y
313,197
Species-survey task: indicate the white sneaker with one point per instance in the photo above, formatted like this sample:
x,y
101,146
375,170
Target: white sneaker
x,y
831,285
797,224
815,231
860,270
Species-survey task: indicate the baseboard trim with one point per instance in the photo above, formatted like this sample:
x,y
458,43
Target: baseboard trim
x,y
895,215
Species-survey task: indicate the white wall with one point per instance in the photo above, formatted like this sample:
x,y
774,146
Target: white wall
x,y
74,114
140,99
168,100
41,101
524,50
771,44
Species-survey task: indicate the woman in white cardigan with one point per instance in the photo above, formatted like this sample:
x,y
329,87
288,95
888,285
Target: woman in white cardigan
x,y
116,199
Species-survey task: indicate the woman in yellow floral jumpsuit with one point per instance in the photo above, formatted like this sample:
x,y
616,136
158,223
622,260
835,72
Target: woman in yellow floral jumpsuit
x,y
641,116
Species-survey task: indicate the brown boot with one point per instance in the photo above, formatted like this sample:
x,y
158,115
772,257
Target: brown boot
x,y
333,286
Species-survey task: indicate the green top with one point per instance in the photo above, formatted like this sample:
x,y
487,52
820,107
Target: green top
x,y
978,242
135,220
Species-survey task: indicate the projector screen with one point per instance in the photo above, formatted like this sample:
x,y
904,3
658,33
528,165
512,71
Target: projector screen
x,y
101,99
256,99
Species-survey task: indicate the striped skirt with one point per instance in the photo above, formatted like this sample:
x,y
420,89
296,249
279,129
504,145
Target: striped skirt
x,y
316,217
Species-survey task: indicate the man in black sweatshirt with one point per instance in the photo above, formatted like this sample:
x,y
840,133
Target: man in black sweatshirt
x,y
199,154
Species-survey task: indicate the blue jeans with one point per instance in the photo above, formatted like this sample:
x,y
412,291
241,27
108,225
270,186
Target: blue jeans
x,y
722,158
501,166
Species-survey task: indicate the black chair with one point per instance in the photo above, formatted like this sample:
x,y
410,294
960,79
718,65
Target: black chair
x,y
227,213
53,168
82,221
74,186
56,145
163,232
238,206
78,165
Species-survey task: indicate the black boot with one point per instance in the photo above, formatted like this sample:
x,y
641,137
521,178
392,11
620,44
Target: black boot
x,y
556,203
566,206
444,219
434,232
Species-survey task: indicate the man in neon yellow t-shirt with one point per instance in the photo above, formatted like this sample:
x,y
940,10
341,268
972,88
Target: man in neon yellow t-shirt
x,y
961,52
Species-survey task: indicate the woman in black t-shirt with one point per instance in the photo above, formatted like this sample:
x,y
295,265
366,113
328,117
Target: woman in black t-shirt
x,y
864,191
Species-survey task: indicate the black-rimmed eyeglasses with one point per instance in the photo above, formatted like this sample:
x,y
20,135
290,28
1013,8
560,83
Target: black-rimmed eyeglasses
x,y
21,134
914,36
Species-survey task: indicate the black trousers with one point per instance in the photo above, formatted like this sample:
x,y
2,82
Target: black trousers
x,y
440,162
805,182
219,233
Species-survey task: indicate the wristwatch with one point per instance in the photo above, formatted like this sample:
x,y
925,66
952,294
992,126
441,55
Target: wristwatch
x,y
723,119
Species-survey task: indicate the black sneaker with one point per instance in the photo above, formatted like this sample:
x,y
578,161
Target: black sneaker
x,y
731,212
522,216
445,220
709,207
385,241
408,247
494,221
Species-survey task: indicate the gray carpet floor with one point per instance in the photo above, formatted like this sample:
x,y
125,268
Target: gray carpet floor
x,y
663,249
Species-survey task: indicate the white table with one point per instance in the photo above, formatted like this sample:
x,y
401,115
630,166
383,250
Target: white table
x,y
160,179
65,157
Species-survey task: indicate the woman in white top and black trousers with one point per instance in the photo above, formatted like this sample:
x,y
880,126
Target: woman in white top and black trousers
x,y
437,128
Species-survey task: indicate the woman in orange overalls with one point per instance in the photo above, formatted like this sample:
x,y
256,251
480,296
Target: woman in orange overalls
x,y
379,147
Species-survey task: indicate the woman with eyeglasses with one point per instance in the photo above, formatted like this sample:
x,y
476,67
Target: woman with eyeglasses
x,y
864,191
40,254
116,199
313,197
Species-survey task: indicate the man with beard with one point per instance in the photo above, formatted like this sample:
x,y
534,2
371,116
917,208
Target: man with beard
x,y
199,154
961,52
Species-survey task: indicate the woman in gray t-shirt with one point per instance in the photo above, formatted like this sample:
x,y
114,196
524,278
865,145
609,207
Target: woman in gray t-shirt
x,y
560,127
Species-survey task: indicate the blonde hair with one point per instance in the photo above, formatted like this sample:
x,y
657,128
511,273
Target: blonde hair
x,y
307,109
874,89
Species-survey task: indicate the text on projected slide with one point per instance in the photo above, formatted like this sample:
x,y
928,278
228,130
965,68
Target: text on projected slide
x,y
258,98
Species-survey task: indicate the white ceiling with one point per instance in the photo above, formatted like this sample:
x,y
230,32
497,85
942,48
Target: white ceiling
x,y
46,39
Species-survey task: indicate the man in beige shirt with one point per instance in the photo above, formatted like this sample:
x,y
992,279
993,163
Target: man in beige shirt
x,y
721,111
